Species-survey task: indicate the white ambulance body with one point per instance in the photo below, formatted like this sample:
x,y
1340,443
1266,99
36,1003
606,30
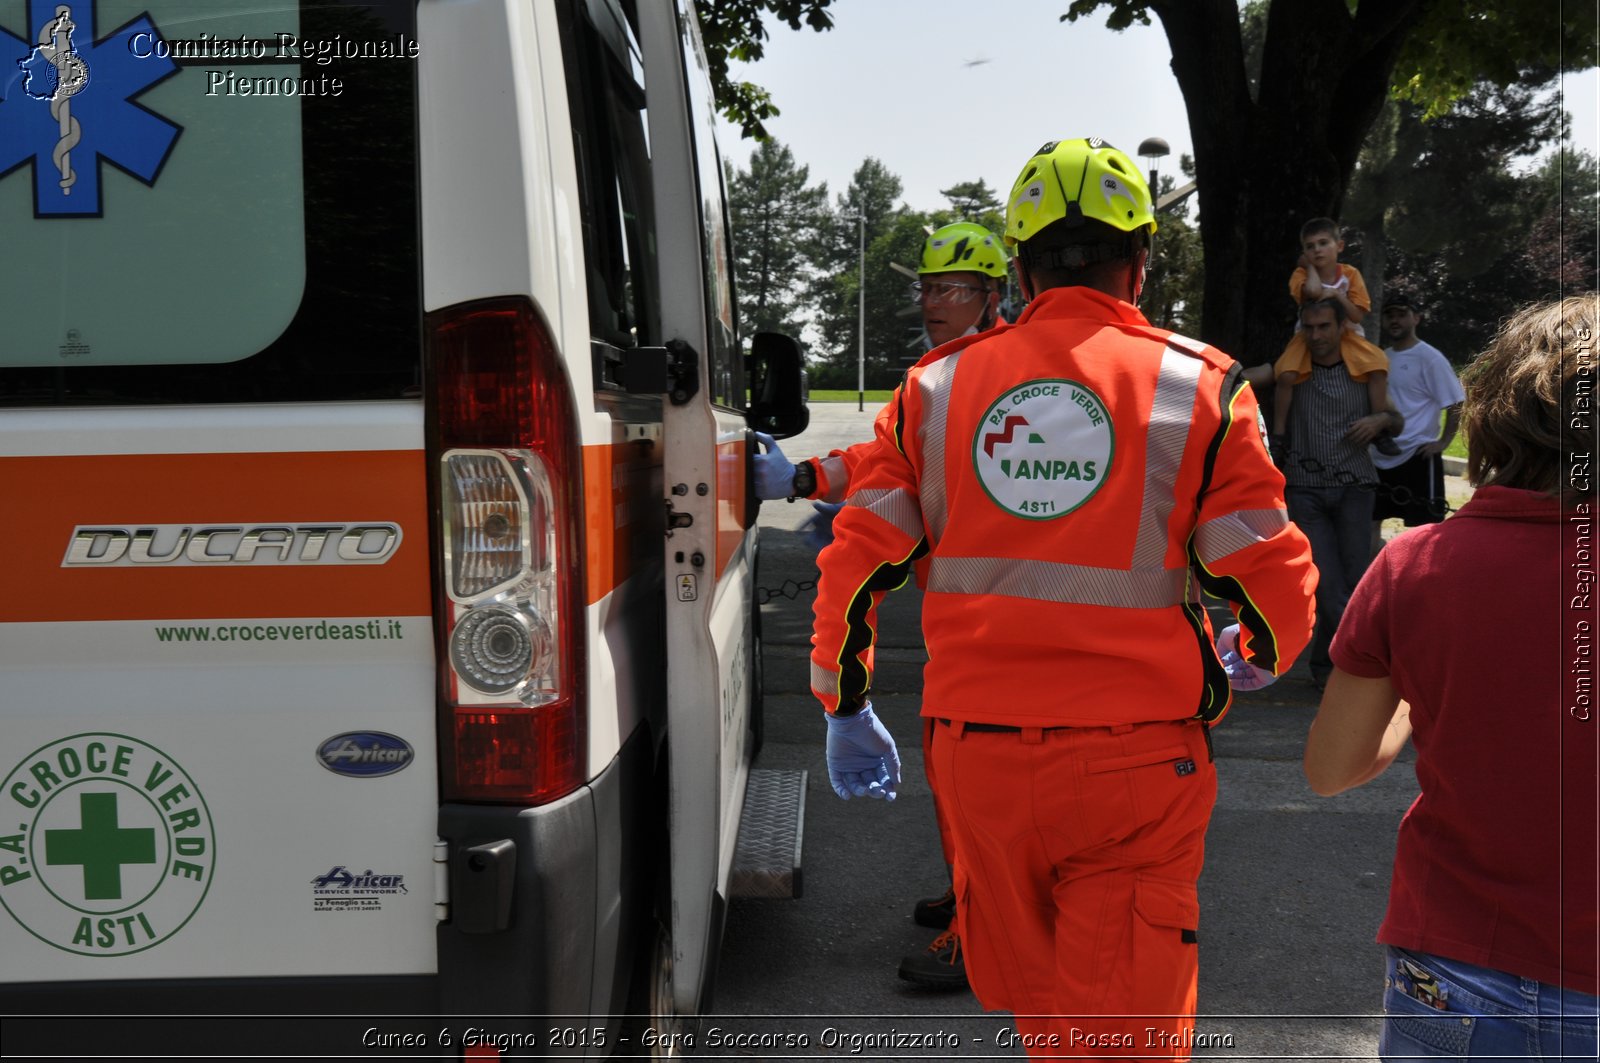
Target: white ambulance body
x,y
377,633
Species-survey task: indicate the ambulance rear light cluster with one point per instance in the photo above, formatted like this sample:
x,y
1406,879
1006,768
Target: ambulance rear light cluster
x,y
509,579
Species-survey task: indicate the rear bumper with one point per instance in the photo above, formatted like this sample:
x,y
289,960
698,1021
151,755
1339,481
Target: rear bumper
x,y
581,886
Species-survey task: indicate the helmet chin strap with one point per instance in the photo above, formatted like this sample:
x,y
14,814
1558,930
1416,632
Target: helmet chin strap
x,y
991,303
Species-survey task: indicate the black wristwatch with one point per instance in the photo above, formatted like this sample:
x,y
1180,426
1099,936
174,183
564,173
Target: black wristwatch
x,y
805,481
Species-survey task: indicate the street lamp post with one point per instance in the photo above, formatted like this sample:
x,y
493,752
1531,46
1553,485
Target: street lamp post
x,y
1152,150
861,315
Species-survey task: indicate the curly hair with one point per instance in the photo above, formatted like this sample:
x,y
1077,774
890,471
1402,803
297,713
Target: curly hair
x,y
1529,393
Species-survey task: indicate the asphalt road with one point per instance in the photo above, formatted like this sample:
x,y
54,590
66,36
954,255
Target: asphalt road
x,y
1293,890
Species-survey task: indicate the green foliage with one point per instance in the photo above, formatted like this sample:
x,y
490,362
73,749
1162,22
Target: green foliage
x,y
972,201
777,219
1551,250
1496,239
735,29
1295,85
1452,48
1123,14
893,324
1175,282
873,193
1458,46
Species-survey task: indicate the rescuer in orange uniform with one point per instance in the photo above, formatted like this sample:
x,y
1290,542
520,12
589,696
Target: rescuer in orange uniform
x,y
959,282
1074,481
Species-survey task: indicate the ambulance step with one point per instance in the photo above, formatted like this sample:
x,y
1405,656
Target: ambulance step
x,y
766,861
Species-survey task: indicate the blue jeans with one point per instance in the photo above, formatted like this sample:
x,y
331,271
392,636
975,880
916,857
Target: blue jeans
x,y
1338,521
1436,1008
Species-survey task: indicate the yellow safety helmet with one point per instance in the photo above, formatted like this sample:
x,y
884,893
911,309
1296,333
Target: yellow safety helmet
x,y
1070,180
963,246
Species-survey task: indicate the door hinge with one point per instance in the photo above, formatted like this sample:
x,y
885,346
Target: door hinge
x,y
441,879
673,370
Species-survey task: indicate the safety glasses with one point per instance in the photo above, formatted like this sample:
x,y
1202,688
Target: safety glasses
x,y
948,292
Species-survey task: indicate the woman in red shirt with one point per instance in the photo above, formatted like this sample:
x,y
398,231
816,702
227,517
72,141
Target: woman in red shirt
x,y
1475,638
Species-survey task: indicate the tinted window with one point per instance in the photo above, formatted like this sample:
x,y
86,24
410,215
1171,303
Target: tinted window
x,y
605,90
726,364
207,202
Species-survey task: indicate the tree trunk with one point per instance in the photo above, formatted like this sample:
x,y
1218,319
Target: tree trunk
x,y
1266,166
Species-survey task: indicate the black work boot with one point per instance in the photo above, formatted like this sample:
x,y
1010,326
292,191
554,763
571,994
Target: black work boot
x,y
935,912
939,966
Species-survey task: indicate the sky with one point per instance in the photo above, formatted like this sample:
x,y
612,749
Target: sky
x,y
891,80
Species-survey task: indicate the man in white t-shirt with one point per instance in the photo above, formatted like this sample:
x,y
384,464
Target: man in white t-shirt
x,y
1421,385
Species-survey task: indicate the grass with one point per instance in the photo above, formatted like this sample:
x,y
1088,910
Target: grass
x,y
877,396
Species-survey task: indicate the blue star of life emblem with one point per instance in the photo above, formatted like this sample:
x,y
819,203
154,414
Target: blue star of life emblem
x,y
66,105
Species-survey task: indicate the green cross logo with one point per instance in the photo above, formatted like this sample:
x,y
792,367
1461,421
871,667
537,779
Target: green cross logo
x,y
106,846
100,846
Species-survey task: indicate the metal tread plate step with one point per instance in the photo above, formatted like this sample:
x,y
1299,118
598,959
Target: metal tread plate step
x,y
766,858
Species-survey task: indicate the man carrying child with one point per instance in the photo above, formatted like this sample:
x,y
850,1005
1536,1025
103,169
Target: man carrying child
x,y
1322,276
1330,479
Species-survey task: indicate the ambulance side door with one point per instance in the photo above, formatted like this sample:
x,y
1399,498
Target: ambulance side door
x,y
711,540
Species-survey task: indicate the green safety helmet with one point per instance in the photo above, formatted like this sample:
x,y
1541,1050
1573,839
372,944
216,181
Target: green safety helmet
x,y
1070,180
963,246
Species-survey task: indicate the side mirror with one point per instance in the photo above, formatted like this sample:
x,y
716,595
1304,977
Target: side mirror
x,y
777,386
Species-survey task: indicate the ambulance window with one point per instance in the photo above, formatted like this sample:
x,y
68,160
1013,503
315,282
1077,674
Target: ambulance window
x,y
207,201
725,363
606,94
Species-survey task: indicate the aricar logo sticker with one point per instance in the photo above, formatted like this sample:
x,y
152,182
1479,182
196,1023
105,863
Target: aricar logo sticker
x,y
1044,448
106,845
67,106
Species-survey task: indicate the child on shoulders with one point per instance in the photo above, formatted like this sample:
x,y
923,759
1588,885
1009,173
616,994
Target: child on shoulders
x,y
1322,276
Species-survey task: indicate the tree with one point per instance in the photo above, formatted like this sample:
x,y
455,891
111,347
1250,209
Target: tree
x,y
1467,286
1394,198
734,29
776,219
1173,294
1268,158
873,193
972,200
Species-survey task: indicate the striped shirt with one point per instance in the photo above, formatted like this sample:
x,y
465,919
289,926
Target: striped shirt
x,y
1324,409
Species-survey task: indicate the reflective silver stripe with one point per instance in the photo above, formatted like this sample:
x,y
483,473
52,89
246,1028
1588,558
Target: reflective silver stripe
x,y
894,505
1170,415
838,479
935,387
1216,539
1052,581
824,681
1182,342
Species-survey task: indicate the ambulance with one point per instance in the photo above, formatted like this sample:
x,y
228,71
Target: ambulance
x,y
378,634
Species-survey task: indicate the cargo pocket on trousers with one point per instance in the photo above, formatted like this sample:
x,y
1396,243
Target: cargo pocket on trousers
x,y
1169,904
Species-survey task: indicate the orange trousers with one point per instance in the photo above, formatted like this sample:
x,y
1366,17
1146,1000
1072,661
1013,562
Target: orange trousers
x,y
1077,855
945,844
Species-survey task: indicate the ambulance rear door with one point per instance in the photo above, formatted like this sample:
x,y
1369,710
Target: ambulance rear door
x,y
217,718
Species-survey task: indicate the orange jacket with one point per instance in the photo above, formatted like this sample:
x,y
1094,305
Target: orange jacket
x,y
836,471
1074,481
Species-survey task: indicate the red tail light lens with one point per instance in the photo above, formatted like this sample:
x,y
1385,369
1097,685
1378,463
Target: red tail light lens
x,y
509,576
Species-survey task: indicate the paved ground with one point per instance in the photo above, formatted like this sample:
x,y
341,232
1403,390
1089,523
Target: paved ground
x,y
1292,894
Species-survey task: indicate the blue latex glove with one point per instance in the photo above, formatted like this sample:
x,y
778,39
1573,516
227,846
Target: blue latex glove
x,y
862,759
1242,675
774,472
818,528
